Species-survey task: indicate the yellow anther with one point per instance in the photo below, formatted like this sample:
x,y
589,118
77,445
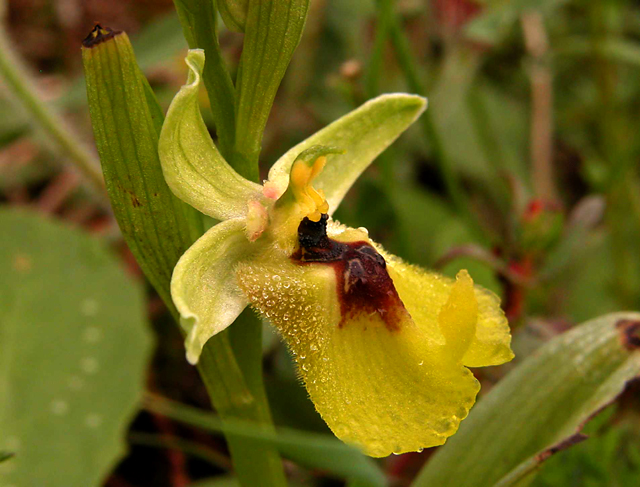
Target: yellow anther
x,y
312,200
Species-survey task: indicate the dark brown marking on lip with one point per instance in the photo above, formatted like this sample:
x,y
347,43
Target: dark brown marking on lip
x,y
99,35
629,333
363,283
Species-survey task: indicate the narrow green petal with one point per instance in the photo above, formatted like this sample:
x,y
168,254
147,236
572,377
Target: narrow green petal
x,y
194,169
424,292
362,134
203,285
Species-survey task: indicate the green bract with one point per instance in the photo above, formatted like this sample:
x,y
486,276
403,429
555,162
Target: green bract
x,y
383,347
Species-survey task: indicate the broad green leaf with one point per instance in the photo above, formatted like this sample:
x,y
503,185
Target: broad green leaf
x,y
126,122
311,450
204,287
198,19
234,13
362,134
74,348
193,168
272,32
541,406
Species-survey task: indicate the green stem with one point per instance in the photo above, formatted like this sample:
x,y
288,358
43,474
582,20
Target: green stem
x,y
233,379
231,362
199,25
174,443
372,86
408,65
17,80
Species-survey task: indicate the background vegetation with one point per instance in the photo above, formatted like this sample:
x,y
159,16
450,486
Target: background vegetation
x,y
523,170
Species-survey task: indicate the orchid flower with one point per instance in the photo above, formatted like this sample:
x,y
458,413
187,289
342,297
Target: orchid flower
x,y
382,346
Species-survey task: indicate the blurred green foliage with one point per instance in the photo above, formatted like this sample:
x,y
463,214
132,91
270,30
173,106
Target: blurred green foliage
x,y
515,87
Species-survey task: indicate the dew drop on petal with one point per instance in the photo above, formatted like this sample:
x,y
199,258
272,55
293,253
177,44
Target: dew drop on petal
x,y
59,407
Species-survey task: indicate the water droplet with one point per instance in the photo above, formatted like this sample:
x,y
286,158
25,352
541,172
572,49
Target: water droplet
x,y
92,334
89,365
276,278
89,307
93,420
59,407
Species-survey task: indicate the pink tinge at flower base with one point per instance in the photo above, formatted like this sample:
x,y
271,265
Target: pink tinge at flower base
x,y
381,346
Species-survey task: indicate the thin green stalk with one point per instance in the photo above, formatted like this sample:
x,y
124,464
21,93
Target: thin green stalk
x,y
236,353
233,379
372,84
408,65
189,447
199,25
45,118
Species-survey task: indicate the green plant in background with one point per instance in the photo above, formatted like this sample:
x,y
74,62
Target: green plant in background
x,y
383,387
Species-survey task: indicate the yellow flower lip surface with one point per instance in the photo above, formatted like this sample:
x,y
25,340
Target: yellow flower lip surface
x,y
381,346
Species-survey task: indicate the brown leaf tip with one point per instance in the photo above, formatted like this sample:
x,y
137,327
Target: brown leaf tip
x,y
629,333
98,35
562,445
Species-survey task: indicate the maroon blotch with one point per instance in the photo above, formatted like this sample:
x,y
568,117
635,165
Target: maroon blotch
x,y
363,283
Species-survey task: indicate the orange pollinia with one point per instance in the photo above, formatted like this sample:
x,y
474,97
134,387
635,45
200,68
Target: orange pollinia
x,y
381,346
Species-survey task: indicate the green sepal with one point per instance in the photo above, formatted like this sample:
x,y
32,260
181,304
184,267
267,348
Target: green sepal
x,y
273,31
126,122
362,134
192,166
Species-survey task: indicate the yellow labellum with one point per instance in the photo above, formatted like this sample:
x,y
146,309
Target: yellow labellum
x,y
385,389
